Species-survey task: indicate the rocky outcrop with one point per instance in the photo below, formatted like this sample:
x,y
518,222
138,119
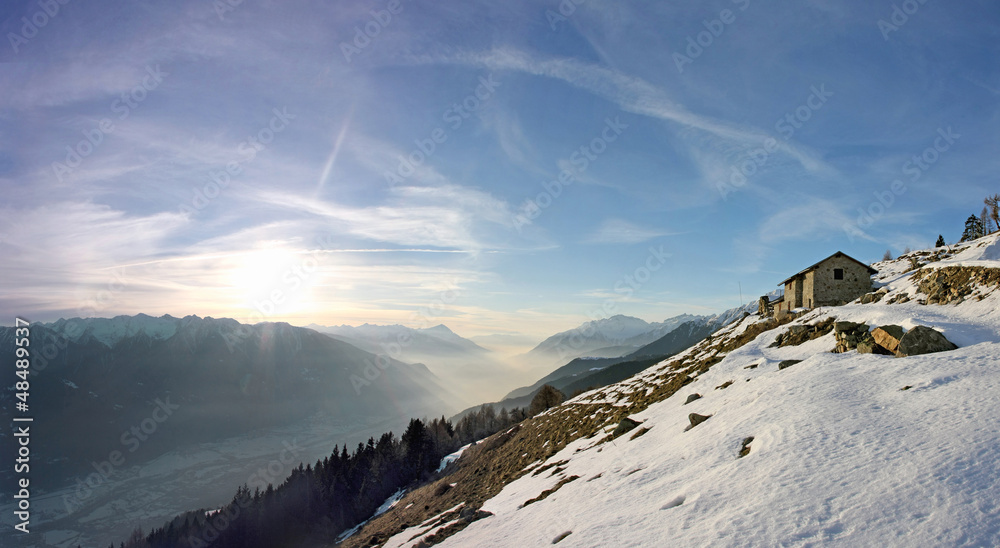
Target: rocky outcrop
x,y
923,340
798,334
956,283
874,296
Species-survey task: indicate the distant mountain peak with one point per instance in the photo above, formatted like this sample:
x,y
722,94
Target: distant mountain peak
x,y
439,328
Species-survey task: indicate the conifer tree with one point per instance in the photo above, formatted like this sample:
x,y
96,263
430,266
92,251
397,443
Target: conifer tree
x,y
973,229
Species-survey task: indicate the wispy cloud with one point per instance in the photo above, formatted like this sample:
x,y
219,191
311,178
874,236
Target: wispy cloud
x,y
630,93
617,231
448,216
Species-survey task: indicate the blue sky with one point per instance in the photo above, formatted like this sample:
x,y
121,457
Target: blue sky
x,y
505,167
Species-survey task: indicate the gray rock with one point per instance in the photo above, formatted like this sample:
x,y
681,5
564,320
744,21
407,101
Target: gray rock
x,y
787,363
624,426
696,419
923,340
692,397
869,346
841,327
798,329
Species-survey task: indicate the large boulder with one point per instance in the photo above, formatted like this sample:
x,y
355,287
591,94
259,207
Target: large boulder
x,y
923,340
888,336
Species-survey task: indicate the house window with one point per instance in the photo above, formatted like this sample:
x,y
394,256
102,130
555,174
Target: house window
x,y
838,273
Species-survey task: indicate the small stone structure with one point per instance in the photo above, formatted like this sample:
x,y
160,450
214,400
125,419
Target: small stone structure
x,y
834,281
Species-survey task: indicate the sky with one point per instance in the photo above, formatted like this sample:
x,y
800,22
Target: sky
x,y
509,169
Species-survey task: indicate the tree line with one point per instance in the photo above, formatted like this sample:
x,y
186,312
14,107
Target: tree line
x,y
976,226
986,223
319,501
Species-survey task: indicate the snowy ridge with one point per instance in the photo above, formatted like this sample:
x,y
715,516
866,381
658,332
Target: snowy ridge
x,y
109,331
844,449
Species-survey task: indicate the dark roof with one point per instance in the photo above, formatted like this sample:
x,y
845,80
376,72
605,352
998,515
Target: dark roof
x,y
837,254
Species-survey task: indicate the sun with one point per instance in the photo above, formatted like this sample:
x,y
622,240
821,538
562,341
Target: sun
x,y
257,273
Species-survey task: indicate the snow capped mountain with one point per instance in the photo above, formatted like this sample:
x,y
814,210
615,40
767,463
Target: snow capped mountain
x,y
760,435
473,371
622,335
435,341
109,331
604,338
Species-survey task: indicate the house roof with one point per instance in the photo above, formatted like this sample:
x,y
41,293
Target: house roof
x,y
837,254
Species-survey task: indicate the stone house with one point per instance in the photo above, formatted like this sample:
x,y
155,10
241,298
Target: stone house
x,y
836,280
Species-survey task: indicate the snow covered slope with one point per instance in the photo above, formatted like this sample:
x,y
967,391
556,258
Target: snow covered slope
x,y
847,449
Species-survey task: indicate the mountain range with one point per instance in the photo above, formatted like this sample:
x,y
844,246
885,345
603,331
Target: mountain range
x,y
585,373
95,381
473,373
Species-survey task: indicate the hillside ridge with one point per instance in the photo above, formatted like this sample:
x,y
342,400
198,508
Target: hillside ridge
x,y
563,476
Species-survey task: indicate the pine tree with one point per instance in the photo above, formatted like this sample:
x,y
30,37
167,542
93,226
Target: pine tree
x,y
940,241
973,229
887,256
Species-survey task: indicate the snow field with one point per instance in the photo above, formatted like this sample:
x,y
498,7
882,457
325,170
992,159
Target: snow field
x,y
841,454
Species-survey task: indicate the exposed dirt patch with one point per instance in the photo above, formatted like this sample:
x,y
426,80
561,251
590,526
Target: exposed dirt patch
x,y
545,494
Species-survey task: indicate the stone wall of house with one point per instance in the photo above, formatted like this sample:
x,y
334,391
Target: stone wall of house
x,y
826,291
808,289
793,294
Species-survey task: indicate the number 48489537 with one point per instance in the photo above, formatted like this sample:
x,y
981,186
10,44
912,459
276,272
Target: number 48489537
x,y
22,355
